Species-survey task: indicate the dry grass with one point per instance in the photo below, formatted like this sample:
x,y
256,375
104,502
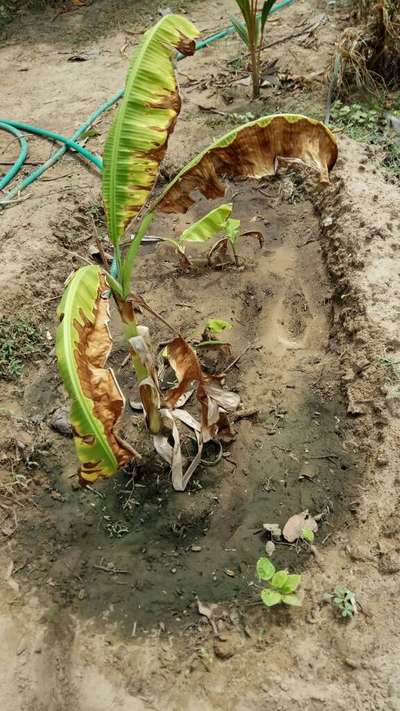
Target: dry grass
x,y
370,51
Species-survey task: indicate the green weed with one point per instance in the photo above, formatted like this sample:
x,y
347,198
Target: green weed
x,y
343,599
368,125
19,341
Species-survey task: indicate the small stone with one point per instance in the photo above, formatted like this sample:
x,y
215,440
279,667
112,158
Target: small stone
x,y
173,570
226,648
352,663
269,548
231,573
60,422
196,549
81,594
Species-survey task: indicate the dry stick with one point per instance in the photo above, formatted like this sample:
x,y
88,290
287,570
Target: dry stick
x,y
46,301
332,87
79,256
238,357
15,201
308,30
58,177
112,571
139,301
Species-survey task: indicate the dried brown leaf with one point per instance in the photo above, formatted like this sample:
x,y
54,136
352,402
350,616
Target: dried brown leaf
x,y
296,524
252,151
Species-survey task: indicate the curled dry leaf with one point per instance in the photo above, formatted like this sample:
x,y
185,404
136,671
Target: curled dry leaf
x,y
252,150
83,345
214,400
209,612
295,525
148,387
172,454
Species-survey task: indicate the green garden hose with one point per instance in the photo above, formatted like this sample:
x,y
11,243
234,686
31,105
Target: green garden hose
x,y
23,152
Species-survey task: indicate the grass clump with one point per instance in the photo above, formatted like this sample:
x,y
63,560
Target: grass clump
x,y
370,125
19,341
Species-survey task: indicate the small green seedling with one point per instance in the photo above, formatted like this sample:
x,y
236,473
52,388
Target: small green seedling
x,y
307,535
217,325
281,585
344,600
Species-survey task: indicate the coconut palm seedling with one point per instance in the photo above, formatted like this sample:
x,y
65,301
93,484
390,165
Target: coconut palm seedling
x,y
134,149
281,585
251,32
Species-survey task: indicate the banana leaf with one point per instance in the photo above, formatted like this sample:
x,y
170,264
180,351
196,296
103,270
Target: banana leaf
x,y
137,140
252,150
208,226
83,344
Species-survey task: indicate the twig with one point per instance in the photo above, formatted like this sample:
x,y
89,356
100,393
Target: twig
x,y
307,31
308,241
45,301
238,357
111,571
58,177
242,414
95,491
332,87
79,256
10,203
139,301
211,110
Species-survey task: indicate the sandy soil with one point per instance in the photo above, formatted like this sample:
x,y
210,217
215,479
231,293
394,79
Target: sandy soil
x,y
317,303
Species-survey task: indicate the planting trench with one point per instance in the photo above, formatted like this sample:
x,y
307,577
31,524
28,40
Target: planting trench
x,y
288,454
323,346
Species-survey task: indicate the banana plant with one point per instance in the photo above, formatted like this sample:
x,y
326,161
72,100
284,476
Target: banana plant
x,y
251,32
217,221
135,146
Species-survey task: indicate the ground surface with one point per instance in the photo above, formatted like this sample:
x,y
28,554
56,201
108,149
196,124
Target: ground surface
x,y
318,306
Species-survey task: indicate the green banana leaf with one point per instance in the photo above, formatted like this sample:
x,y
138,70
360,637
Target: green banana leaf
x,y
208,226
138,137
83,344
233,230
252,150
132,253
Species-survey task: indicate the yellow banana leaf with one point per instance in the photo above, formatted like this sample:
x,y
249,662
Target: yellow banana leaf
x,y
252,150
137,140
83,345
